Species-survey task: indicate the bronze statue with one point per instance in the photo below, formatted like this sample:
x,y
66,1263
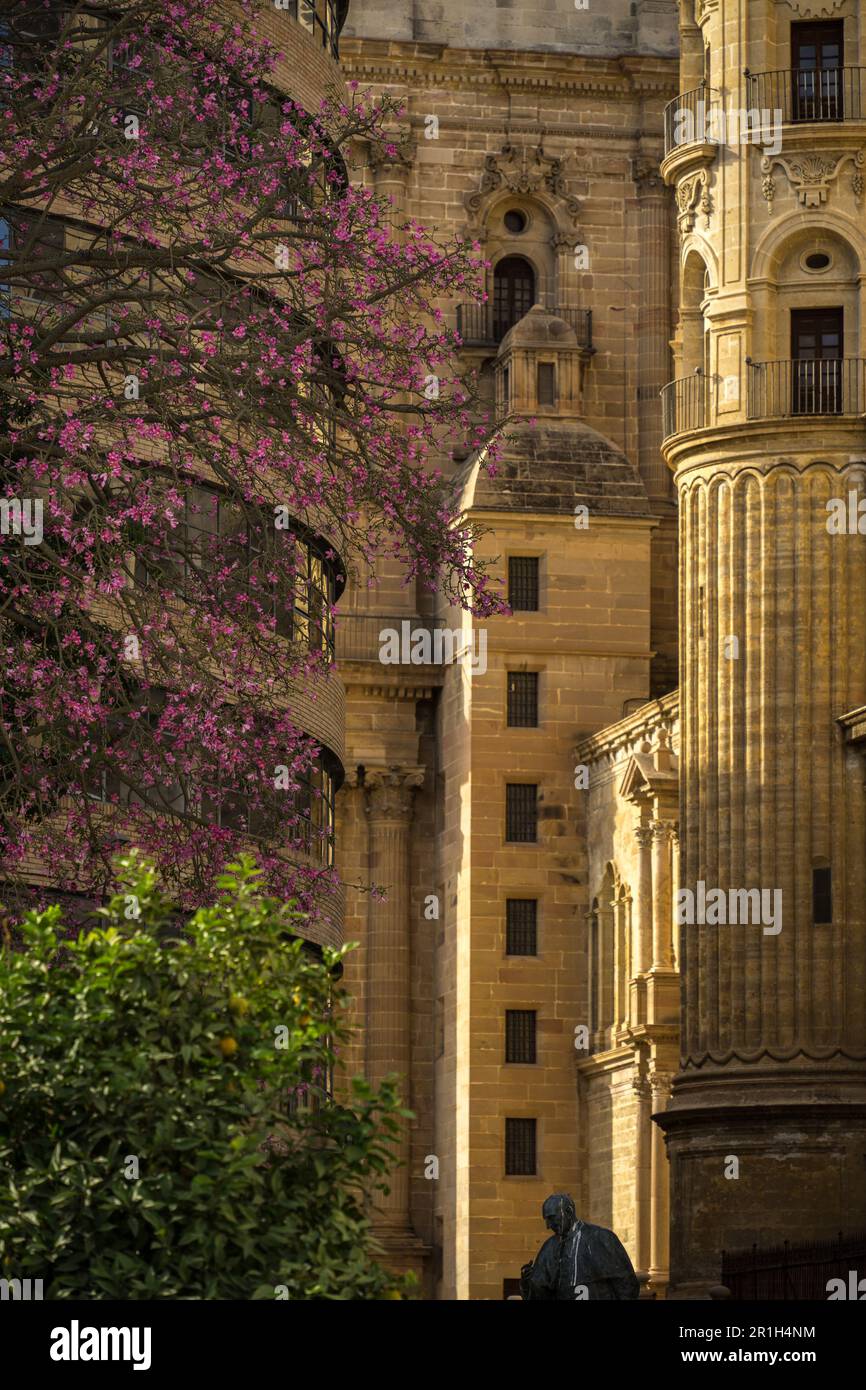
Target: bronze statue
x,y
578,1261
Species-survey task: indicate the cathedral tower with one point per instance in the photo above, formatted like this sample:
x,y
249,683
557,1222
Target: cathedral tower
x,y
764,426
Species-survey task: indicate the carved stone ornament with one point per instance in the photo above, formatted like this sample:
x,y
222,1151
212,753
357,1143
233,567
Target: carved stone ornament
x,y
647,175
814,9
810,175
390,791
693,197
704,8
525,172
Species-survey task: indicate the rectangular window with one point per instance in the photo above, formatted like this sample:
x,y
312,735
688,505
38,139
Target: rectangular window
x,y
523,583
817,338
520,1148
520,1035
546,382
521,926
817,57
521,812
523,699
822,897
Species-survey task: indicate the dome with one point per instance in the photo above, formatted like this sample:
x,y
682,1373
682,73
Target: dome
x,y
552,466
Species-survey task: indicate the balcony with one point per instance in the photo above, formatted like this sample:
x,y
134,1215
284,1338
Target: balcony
x,y
481,325
359,637
779,390
793,389
685,405
828,95
691,129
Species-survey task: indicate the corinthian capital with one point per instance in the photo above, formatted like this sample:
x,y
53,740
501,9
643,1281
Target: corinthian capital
x,y
390,791
663,830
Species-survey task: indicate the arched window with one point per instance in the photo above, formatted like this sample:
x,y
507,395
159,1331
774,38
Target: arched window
x,y
513,293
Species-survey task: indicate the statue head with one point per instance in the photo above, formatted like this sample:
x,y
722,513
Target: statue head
x,y
559,1213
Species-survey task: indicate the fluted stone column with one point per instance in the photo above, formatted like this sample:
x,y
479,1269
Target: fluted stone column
x,y
661,863
390,793
642,1173
654,322
643,902
660,1086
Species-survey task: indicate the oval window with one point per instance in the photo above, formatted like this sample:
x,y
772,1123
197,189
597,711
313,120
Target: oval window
x,y
515,221
817,260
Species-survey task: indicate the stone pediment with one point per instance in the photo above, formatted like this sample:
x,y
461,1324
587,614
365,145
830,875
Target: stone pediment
x,y
642,780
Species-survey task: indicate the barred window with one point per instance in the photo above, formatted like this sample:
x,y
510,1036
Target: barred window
x,y
521,927
523,699
520,1148
521,812
520,1035
523,583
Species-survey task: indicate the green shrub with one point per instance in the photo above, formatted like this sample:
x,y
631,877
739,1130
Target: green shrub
x,y
146,1144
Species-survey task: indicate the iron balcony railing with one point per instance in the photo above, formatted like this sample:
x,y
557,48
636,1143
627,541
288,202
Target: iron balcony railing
x,y
482,325
685,404
806,386
830,94
359,636
775,390
687,118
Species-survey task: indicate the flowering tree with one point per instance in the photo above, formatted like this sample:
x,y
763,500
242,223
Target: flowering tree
x,y
223,379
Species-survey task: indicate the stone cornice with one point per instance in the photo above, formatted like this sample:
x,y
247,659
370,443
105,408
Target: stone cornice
x,y
381,62
617,739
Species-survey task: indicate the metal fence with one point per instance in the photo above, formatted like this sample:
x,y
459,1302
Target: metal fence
x,y
786,1271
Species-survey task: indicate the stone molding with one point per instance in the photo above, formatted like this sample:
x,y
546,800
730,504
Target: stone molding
x,y
810,175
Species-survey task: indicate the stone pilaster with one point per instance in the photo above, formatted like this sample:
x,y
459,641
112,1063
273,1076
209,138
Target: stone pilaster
x,y
390,793
659,1267
662,896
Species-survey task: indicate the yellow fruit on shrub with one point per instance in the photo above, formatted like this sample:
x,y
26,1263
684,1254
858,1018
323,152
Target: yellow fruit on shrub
x,y
228,1047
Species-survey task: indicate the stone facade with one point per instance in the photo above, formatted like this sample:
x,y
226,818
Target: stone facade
x,y
561,123
765,427
723,228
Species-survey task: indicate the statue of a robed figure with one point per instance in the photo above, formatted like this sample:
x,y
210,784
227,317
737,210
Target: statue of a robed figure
x,y
579,1261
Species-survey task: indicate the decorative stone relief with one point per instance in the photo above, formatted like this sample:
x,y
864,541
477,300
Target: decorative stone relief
x,y
647,175
693,197
528,172
811,175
